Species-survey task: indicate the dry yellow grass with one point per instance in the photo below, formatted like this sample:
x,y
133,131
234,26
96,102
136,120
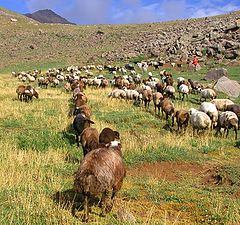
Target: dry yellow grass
x,y
31,174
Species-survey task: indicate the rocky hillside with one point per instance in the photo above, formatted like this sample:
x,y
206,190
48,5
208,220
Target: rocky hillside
x,y
47,16
27,42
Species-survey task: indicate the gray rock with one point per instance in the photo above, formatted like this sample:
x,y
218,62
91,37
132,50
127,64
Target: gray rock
x,y
125,216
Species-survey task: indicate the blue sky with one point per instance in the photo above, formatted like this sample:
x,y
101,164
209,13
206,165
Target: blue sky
x,y
125,11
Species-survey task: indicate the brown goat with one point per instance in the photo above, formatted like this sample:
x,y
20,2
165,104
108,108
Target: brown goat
x,y
89,139
107,135
101,173
182,118
168,107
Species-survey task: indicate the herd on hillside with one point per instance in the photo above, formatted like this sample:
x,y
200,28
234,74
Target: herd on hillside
x,y
102,170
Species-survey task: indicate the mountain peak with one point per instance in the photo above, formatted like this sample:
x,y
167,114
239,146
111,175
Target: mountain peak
x,y
47,16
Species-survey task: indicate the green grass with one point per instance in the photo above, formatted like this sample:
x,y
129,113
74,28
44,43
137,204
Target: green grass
x,y
39,157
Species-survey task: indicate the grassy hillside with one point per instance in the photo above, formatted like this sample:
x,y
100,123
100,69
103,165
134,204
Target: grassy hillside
x,y
171,178
27,43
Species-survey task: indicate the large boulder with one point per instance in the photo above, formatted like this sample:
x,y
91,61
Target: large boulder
x,y
227,86
216,74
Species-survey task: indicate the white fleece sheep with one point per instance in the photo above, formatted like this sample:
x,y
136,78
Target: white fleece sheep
x,y
117,93
211,110
222,104
207,93
199,120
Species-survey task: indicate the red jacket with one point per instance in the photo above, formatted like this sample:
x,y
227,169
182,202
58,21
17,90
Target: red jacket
x,y
195,61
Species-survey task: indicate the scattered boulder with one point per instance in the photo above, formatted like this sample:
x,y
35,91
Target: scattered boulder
x,y
126,216
227,86
216,74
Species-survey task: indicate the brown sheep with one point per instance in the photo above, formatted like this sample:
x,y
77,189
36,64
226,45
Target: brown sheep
x,y
147,97
30,92
85,109
101,173
80,122
89,139
20,91
157,97
107,135
236,109
80,99
182,118
168,107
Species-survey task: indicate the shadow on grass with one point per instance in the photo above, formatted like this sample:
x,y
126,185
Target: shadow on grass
x,y
69,134
72,200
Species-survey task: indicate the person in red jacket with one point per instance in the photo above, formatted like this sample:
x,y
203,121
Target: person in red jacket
x,y
195,62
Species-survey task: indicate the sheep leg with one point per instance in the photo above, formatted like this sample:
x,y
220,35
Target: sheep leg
x,y
235,129
104,203
86,209
227,132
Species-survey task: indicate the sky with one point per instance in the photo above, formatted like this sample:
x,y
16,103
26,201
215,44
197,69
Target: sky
x,y
124,11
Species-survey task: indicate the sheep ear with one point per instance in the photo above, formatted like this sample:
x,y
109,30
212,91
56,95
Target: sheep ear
x,y
90,121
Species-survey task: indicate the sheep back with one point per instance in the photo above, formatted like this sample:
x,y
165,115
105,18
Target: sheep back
x,y
101,170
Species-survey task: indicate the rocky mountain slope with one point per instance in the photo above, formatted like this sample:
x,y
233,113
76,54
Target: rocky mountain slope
x,y
28,42
47,16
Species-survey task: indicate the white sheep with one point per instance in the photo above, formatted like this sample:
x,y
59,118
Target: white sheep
x,y
117,93
131,94
169,91
207,93
222,104
211,110
184,90
199,120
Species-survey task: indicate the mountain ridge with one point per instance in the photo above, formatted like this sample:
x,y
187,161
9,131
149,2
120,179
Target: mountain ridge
x,y
47,16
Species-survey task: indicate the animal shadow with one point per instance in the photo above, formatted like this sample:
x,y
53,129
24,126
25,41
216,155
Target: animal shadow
x,y
69,134
69,199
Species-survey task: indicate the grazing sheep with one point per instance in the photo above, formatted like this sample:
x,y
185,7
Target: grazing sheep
x,y
117,93
168,107
89,139
182,118
169,91
227,120
222,104
29,93
157,98
199,120
85,109
20,91
67,87
131,94
236,109
184,90
101,173
195,86
81,122
211,110
107,135
80,99
147,97
207,93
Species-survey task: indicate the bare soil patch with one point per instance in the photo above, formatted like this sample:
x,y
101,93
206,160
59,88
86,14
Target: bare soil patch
x,y
171,171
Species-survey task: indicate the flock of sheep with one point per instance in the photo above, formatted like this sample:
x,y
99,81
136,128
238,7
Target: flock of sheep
x,y
102,169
